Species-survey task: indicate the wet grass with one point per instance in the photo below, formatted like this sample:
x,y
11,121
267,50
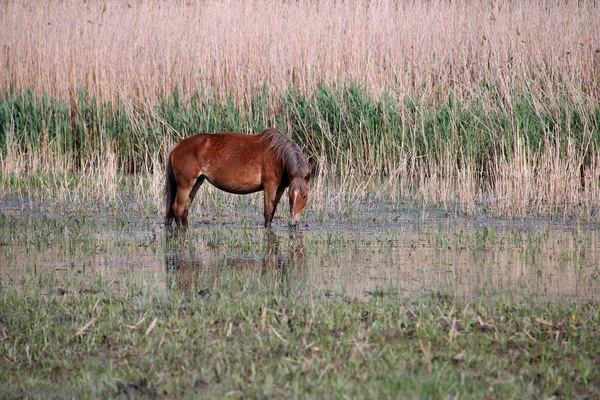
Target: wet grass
x,y
381,307
248,337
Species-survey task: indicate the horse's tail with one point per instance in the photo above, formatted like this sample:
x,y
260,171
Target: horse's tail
x,y
170,191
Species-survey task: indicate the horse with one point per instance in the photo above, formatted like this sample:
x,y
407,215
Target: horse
x,y
240,164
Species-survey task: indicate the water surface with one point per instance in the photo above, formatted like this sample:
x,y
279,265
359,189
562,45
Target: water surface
x,y
388,255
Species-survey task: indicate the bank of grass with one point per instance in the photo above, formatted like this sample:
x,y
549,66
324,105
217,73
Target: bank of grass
x,y
340,125
248,337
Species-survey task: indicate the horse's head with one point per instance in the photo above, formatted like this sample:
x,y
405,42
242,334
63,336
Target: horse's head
x,y
298,191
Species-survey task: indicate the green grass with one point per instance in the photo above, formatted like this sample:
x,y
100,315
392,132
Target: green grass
x,y
506,156
341,125
251,338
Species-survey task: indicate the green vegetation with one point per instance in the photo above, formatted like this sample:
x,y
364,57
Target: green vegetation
x,y
497,108
342,126
249,338
510,157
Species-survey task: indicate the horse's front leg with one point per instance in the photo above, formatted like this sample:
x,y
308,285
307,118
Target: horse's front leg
x,y
272,197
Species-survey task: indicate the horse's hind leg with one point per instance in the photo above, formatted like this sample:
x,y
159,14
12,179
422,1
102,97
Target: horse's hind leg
x,y
183,201
181,207
195,188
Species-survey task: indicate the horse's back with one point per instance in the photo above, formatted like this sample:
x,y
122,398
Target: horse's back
x,y
231,161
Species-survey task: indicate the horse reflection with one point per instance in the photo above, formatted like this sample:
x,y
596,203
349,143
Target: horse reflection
x,y
182,265
192,274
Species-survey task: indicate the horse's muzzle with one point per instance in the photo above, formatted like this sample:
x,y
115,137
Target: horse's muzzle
x,y
294,221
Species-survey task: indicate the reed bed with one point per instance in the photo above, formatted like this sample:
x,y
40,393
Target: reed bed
x,y
142,49
456,104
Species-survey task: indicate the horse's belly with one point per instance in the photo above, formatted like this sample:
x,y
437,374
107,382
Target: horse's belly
x,y
240,184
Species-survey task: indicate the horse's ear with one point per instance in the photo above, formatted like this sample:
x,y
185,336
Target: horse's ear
x,y
307,177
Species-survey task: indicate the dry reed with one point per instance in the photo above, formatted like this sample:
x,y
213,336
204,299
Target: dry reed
x,y
142,49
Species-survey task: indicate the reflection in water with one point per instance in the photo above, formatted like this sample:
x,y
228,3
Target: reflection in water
x,y
469,263
196,269
377,257
181,263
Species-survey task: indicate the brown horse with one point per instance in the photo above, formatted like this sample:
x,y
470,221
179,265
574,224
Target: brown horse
x,y
240,164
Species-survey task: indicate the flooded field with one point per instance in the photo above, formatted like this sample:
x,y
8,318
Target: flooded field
x,y
383,254
372,304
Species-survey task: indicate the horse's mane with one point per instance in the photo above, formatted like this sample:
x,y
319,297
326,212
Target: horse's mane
x,y
290,154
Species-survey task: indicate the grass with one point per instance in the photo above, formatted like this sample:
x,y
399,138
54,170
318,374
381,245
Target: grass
x,y
452,155
249,338
339,126
106,305
140,52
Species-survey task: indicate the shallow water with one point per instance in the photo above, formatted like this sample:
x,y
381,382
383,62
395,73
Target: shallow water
x,y
387,255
